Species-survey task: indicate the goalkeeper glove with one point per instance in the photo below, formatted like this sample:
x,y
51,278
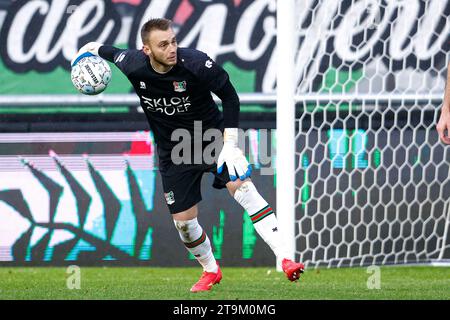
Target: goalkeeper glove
x,y
233,157
88,49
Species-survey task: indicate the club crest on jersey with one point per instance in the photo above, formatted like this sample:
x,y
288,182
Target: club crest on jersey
x,y
179,86
170,197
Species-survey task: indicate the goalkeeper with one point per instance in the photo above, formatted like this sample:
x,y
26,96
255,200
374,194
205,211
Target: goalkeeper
x,y
443,126
174,86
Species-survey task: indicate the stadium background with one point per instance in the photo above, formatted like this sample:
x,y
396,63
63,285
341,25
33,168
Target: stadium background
x,y
85,187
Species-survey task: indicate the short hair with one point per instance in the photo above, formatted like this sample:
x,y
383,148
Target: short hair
x,y
154,24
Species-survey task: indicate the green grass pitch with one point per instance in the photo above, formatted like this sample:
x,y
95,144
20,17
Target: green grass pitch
x,y
399,282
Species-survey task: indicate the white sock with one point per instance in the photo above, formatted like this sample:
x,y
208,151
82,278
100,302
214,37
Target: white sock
x,y
262,216
197,243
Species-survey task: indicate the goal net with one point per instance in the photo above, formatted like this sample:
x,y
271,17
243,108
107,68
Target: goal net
x,y
372,177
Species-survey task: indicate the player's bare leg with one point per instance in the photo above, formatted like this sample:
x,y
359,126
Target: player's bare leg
x,y
265,223
197,243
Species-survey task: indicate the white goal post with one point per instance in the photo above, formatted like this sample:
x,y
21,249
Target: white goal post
x,y
285,156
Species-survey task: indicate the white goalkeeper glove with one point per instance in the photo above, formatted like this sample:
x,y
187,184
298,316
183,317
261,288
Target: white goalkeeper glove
x,y
233,157
91,47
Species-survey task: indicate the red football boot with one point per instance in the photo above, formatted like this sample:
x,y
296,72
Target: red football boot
x,y
292,269
207,280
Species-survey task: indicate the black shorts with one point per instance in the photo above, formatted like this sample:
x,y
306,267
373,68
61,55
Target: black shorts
x,y
182,184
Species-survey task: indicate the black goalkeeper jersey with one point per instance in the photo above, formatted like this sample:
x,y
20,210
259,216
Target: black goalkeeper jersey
x,y
178,98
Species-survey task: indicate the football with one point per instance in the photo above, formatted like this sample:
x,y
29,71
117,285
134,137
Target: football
x,y
90,74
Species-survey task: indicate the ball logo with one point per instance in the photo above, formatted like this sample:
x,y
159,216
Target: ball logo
x,y
91,73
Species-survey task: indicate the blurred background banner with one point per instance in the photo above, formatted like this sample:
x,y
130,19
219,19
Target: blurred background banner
x,y
366,39
97,198
80,182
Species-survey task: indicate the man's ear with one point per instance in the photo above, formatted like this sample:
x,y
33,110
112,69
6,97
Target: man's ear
x,y
147,50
